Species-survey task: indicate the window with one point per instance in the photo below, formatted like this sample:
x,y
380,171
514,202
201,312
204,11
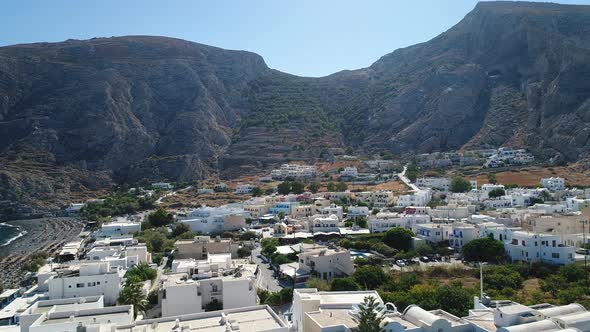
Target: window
x,y
554,255
80,285
91,284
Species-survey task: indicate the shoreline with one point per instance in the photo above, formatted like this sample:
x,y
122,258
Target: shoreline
x,y
20,234
43,234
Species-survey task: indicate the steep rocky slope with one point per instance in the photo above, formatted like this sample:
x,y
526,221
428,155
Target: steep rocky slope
x,y
141,108
133,107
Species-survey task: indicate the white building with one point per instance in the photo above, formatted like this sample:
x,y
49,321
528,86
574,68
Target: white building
x,y
383,221
74,208
77,318
182,295
525,246
333,210
131,255
440,184
357,212
244,188
419,198
202,246
461,234
326,224
87,279
259,318
162,185
487,187
349,172
293,171
327,263
433,233
377,199
119,227
553,183
315,311
214,220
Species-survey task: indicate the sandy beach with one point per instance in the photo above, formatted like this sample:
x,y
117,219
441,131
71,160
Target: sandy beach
x,y
45,234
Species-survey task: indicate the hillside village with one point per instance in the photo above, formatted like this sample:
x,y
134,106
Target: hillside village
x,y
308,249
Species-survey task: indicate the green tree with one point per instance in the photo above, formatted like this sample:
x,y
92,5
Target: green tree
x,y
369,276
484,249
160,217
331,187
341,186
256,191
399,238
314,187
180,229
495,193
412,172
492,178
344,284
362,222
454,299
284,188
247,236
142,272
269,246
424,249
368,317
132,294
244,252
459,185
297,187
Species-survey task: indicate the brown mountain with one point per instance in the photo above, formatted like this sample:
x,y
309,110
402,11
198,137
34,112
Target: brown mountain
x,y
76,115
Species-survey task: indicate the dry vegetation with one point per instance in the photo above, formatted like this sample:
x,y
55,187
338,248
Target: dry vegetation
x,y
531,176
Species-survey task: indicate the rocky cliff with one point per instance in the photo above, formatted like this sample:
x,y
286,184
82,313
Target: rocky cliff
x,y
77,115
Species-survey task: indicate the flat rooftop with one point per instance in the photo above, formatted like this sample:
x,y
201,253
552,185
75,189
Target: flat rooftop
x,y
250,319
332,317
337,298
483,318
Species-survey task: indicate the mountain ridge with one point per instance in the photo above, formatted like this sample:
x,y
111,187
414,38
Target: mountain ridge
x,y
142,108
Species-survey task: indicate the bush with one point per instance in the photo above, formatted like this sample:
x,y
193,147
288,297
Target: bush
x,y
244,252
369,276
318,283
344,284
247,236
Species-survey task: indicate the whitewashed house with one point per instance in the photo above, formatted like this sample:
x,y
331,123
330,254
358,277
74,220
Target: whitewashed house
x,y
349,172
553,183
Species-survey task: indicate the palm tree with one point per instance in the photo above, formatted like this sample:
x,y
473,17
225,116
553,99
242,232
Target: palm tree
x,y
133,294
368,317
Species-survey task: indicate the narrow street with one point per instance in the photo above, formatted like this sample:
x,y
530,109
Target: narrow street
x,y
265,279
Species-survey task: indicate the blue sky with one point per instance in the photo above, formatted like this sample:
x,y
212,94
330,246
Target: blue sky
x,y
304,37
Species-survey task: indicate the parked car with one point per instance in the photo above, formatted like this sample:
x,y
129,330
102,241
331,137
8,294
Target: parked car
x,y
424,259
400,263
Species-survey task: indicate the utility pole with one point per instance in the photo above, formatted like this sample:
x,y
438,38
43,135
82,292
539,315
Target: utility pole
x,y
480,281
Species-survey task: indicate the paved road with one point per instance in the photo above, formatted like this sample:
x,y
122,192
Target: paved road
x,y
265,279
402,176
